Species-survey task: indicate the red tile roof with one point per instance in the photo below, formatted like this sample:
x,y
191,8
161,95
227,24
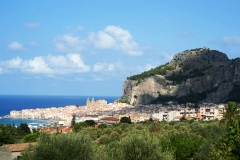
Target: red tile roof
x,y
18,147
52,130
60,129
44,130
179,117
109,119
69,129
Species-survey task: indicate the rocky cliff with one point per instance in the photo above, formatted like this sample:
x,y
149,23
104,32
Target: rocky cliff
x,y
191,76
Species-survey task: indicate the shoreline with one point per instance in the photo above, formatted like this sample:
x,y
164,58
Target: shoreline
x,y
32,122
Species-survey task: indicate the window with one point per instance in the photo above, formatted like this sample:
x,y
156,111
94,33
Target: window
x,y
207,110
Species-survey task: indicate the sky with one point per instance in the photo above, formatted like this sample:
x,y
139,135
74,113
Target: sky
x,y
83,48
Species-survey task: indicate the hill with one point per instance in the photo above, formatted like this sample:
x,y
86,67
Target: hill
x,y
196,75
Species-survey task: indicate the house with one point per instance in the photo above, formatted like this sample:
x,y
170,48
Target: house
x,y
178,118
68,129
44,129
108,120
210,112
61,129
87,117
155,119
198,116
162,116
173,114
52,130
14,150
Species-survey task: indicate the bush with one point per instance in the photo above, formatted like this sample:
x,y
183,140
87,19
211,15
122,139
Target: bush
x,y
125,120
118,130
32,137
139,147
61,147
123,100
114,136
79,126
160,70
90,123
185,146
104,139
102,126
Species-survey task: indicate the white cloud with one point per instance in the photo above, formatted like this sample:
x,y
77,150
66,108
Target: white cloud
x,y
80,28
33,43
76,63
50,65
100,67
102,40
32,25
68,43
148,67
186,34
231,40
15,63
167,56
37,65
142,68
113,37
1,70
98,78
15,46
108,71
105,67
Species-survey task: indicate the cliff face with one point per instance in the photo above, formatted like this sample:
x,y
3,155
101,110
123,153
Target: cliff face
x,y
203,73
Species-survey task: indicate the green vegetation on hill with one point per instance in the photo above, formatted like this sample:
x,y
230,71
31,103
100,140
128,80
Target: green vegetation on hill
x,y
182,76
188,64
234,94
124,100
192,98
163,99
177,78
161,70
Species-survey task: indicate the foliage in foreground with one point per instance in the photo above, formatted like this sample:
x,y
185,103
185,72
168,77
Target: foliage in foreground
x,y
198,140
175,140
10,134
61,147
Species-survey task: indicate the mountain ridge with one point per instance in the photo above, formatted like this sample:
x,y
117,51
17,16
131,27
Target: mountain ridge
x,y
196,75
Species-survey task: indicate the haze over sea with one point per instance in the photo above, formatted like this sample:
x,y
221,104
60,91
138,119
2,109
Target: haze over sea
x,y
20,102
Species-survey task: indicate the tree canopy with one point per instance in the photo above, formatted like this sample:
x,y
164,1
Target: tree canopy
x,y
125,120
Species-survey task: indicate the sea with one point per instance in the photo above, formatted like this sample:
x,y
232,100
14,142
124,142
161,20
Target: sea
x,y
20,102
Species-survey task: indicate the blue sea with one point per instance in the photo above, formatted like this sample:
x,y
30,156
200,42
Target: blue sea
x,y
20,102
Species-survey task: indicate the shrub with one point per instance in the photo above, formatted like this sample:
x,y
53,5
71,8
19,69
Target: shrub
x,y
139,147
90,123
183,145
61,147
123,100
114,136
79,126
125,120
102,126
32,137
104,139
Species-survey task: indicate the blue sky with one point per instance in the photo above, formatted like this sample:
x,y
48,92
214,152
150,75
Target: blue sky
x,y
90,47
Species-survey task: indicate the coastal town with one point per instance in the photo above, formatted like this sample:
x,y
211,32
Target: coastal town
x,y
102,112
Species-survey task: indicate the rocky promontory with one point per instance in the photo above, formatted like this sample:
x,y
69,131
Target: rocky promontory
x,y
196,75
